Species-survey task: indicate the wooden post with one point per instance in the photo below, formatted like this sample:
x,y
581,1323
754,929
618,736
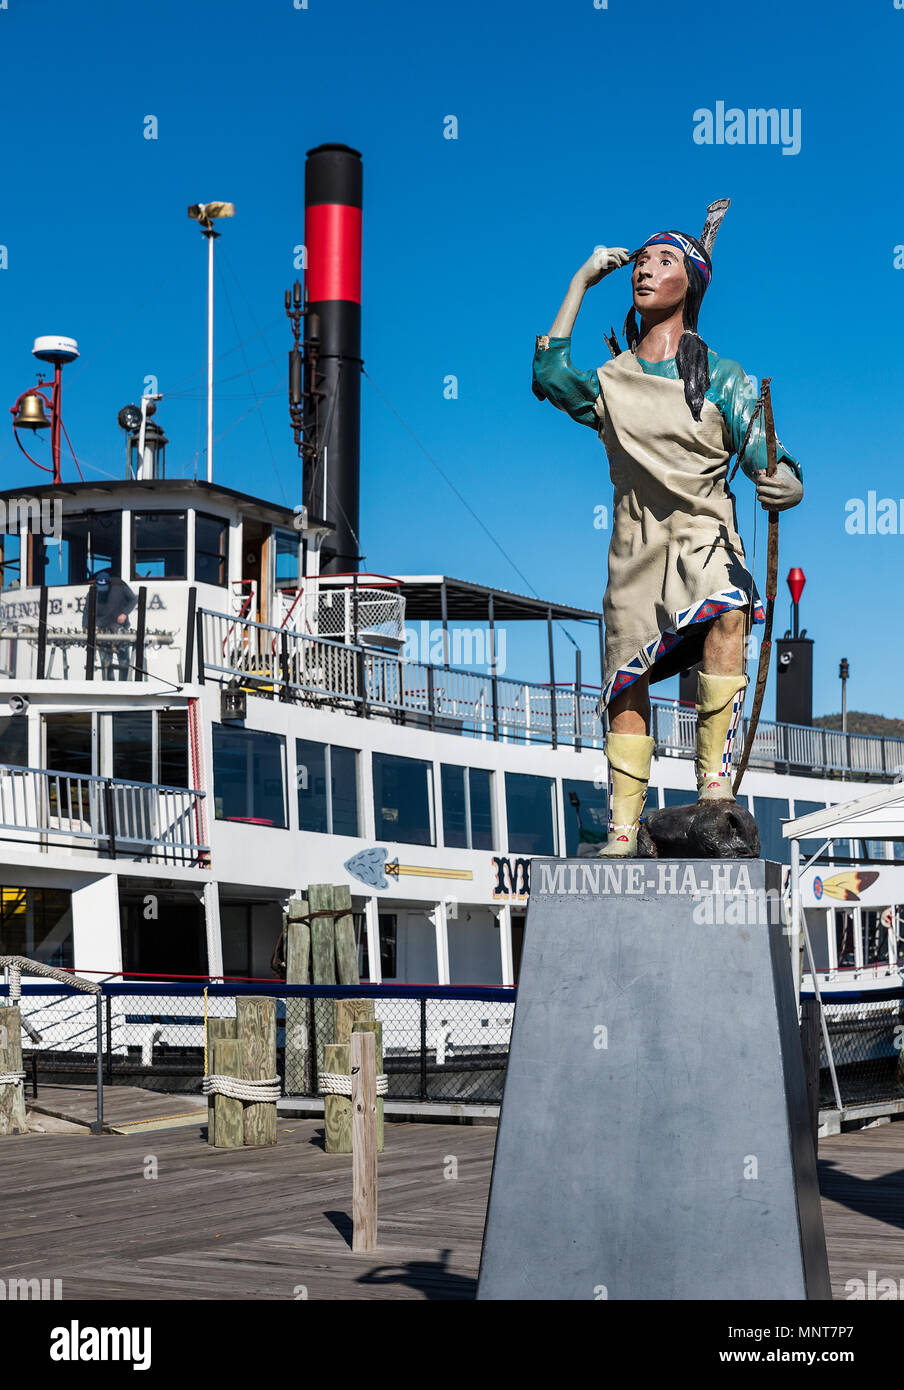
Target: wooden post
x,y
348,1012
256,1020
12,1094
364,1025
218,1030
337,1110
298,1011
364,1141
323,966
346,948
228,1124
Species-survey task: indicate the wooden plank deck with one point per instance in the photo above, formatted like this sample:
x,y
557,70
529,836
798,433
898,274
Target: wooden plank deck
x,y
274,1223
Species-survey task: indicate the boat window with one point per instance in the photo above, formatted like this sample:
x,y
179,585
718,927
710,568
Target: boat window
x,y
403,799
158,545
175,942
875,937
211,549
844,938
172,748
530,807
37,923
467,807
769,812
69,743
235,935
285,559
133,745
10,561
586,814
817,927
677,796
388,937
326,778
808,847
248,776
14,740
87,544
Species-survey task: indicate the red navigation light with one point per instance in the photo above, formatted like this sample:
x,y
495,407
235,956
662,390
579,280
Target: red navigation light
x,y
796,581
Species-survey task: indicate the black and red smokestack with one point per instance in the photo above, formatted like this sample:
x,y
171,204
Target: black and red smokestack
x,y
332,238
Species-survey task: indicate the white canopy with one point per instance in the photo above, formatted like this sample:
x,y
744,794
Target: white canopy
x,y
877,816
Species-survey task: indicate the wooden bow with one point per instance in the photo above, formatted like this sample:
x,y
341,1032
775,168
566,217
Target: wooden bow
x,y
764,404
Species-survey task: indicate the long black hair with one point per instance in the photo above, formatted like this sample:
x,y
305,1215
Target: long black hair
x,y
692,356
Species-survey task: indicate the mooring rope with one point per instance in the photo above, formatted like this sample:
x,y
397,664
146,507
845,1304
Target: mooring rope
x,y
236,1089
337,1083
11,1078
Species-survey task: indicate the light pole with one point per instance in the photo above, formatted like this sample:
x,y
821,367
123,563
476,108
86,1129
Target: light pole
x,y
204,213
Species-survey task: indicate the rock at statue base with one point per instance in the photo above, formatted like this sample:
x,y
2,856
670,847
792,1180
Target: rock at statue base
x,y
703,830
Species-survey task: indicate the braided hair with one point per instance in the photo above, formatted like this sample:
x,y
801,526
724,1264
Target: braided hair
x,y
692,356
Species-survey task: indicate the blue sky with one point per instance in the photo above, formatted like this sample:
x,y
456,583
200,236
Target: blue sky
x,y
575,128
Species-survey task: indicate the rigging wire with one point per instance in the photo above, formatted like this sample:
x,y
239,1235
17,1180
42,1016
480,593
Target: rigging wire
x,y
235,325
464,501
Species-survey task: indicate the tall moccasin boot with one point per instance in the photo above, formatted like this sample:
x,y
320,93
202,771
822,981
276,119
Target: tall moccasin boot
x,y
719,703
629,757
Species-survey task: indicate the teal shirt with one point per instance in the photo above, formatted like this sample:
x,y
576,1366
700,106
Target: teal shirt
x,y
730,390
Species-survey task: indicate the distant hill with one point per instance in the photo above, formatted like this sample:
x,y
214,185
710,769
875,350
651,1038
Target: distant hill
x,y
860,723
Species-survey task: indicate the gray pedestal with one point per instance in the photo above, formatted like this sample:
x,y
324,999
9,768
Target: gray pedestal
x,y
654,1139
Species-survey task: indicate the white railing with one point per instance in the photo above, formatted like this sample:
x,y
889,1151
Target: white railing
x,y
315,669
103,815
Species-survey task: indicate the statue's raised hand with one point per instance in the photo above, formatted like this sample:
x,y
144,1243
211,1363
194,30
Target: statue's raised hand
x,y
602,262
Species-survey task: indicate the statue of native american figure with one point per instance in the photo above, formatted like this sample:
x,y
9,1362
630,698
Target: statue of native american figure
x,y
671,414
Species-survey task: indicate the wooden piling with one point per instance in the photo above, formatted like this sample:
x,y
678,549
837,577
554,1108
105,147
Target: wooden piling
x,y
346,946
364,1141
337,1110
298,1011
12,1095
228,1126
323,966
256,1021
218,1030
348,1012
369,1025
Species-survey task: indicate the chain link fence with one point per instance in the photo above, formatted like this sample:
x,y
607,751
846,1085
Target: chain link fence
x,y
866,1035
439,1043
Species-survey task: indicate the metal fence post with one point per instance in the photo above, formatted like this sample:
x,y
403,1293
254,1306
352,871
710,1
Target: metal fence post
x,y
577,700
140,629
190,622
109,1011
41,657
91,627
284,692
109,816
200,645
98,1126
423,1095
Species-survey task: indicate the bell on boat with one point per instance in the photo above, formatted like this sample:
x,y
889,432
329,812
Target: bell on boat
x,y
31,414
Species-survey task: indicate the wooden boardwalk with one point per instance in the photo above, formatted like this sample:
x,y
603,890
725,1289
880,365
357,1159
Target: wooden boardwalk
x,y
273,1223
